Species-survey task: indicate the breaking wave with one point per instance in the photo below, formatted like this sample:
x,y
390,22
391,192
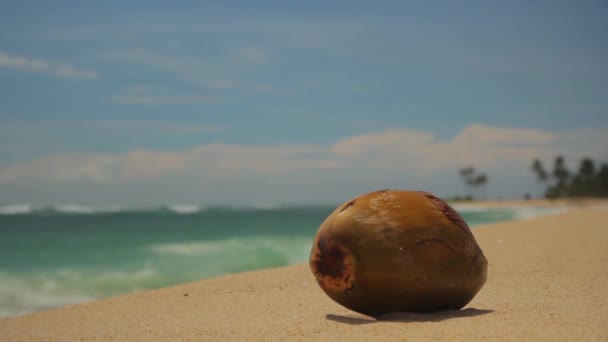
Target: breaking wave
x,y
16,209
184,208
86,209
22,293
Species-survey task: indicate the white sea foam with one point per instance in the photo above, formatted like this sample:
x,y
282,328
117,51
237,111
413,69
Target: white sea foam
x,y
27,301
144,273
291,249
16,209
530,212
24,294
518,212
236,254
471,208
184,208
21,293
265,206
86,209
189,248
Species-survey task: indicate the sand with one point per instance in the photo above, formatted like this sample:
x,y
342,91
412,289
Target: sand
x,y
548,280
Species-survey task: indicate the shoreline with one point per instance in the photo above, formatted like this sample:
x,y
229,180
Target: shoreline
x,y
547,280
583,202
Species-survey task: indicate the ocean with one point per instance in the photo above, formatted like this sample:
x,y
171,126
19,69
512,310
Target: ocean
x,y
68,254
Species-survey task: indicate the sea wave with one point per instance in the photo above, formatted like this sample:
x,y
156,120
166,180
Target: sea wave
x,y
531,212
478,214
184,208
470,208
242,253
160,265
265,206
22,293
476,211
16,209
177,209
520,212
86,209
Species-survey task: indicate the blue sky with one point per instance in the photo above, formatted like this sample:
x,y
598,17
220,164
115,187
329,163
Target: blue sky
x,y
275,102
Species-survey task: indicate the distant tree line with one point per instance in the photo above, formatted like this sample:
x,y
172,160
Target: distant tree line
x,y
472,181
589,181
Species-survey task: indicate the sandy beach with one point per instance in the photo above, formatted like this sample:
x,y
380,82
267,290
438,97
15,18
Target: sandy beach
x,y
548,280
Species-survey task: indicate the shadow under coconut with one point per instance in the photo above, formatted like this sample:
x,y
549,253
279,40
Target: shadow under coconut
x,y
409,317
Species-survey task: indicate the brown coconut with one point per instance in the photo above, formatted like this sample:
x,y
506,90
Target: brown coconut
x,y
397,251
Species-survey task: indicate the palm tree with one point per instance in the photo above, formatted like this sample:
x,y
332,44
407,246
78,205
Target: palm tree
x,y
467,175
539,170
561,174
602,178
585,182
481,181
590,180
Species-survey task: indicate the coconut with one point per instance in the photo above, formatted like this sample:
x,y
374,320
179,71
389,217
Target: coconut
x,y
397,251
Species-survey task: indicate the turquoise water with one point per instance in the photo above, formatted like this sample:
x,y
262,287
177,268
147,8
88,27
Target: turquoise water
x,y
70,254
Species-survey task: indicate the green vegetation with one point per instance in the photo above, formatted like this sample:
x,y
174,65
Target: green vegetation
x,y
472,181
589,181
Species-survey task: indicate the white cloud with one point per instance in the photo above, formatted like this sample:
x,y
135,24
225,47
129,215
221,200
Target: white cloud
x,y
150,94
68,71
223,160
145,99
148,88
226,84
215,83
270,90
150,58
167,127
473,134
39,65
20,132
254,55
22,139
222,84
191,70
494,148
381,143
141,165
211,161
22,62
67,167
379,158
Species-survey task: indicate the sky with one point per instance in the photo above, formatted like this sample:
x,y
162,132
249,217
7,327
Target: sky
x,y
279,102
